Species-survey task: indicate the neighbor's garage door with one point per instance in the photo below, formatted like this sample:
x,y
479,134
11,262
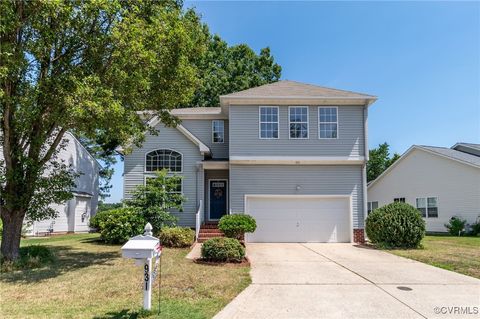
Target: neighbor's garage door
x,y
299,219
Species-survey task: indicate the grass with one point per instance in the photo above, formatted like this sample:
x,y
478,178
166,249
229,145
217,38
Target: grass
x,y
459,254
91,280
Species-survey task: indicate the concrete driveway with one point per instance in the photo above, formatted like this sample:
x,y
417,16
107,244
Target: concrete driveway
x,y
349,281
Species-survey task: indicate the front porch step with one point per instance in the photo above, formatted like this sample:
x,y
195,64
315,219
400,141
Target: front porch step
x,y
209,230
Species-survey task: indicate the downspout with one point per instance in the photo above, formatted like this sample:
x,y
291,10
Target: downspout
x,y
364,169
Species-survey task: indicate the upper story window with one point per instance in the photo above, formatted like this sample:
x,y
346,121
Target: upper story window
x,y
298,120
218,131
427,206
328,122
160,159
269,122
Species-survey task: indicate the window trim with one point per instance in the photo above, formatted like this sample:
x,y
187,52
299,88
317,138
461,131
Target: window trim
x,y
213,132
260,122
153,176
318,124
370,206
159,149
426,205
308,122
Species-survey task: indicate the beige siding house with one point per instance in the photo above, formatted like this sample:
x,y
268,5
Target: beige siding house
x,y
440,182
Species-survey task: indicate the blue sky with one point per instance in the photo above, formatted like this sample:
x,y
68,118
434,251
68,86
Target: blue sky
x,y
422,60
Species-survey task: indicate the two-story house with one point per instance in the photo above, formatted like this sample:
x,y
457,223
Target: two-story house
x,y
290,154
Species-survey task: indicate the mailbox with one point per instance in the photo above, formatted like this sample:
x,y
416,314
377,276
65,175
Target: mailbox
x,y
143,248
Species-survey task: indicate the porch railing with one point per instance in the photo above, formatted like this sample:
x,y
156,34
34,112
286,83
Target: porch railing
x,y
198,219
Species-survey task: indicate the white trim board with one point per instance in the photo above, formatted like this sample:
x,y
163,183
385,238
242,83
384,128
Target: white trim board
x,y
298,160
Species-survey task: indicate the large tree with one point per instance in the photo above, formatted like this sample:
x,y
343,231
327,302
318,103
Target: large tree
x,y
225,69
85,67
379,161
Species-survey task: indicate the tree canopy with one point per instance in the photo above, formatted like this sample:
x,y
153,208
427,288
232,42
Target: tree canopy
x,y
225,69
85,67
379,161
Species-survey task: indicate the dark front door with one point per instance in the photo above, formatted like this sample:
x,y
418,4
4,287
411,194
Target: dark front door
x,y
218,198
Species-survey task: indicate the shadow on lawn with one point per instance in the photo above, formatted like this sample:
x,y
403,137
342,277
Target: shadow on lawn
x,y
122,314
67,259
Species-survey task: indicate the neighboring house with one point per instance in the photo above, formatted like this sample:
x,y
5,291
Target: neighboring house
x,y
73,216
440,182
290,154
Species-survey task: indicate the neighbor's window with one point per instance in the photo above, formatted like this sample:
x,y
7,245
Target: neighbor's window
x,y
218,131
298,120
269,122
428,206
175,189
327,122
160,159
371,206
399,199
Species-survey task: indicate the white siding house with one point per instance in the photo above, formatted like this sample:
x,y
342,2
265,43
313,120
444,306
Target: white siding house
x,y
441,182
73,215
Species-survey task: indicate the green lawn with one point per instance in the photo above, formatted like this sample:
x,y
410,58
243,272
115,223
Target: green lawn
x,y
91,280
460,254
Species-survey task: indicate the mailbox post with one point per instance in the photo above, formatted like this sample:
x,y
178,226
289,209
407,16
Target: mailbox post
x,y
143,248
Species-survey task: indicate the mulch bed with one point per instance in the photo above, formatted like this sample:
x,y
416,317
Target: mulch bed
x,y
244,263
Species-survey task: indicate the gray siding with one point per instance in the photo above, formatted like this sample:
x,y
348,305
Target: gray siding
x,y
282,180
244,132
202,129
169,138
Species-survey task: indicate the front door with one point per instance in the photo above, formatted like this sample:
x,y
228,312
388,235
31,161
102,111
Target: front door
x,y
218,198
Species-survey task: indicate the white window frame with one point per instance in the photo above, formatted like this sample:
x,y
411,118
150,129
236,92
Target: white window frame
x,y
145,177
307,122
260,123
213,132
426,205
370,206
319,123
160,149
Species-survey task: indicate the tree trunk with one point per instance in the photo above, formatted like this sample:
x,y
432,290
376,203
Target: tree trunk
x,y
12,232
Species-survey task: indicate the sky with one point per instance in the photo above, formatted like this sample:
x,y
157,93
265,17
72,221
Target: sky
x,y
421,59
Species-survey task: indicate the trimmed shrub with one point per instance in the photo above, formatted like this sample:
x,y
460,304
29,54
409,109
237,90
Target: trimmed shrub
x,y
177,237
395,225
456,226
236,225
120,225
100,217
223,249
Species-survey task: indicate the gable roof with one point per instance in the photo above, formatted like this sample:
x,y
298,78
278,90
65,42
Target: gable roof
x,y
461,157
287,89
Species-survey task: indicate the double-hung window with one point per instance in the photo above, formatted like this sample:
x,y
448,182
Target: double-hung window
x,y
371,206
327,122
218,131
427,206
298,120
268,122
172,188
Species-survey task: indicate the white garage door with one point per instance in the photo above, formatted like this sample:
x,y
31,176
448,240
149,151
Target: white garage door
x,y
299,219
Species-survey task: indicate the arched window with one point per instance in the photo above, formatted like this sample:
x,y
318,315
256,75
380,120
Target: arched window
x,y
160,159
